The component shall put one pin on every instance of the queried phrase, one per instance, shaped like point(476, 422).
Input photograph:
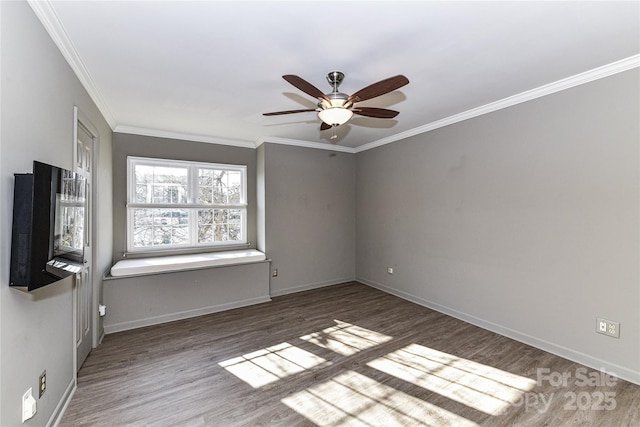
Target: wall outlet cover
point(42, 384)
point(608, 327)
point(28, 405)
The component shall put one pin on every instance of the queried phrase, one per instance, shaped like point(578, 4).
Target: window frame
point(191, 205)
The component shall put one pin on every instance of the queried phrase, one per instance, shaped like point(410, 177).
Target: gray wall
point(524, 221)
point(163, 148)
point(303, 219)
point(309, 216)
point(39, 91)
point(139, 301)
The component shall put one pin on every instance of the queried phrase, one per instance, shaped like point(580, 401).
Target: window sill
point(150, 253)
point(168, 264)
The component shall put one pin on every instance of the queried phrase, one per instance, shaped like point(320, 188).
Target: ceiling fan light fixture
point(335, 116)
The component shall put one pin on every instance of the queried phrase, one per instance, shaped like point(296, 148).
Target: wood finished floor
point(345, 355)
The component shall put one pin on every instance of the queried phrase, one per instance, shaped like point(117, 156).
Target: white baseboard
point(309, 286)
point(567, 353)
point(156, 320)
point(61, 407)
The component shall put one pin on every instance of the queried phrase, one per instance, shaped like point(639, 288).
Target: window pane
point(220, 233)
point(158, 227)
point(71, 228)
point(219, 225)
point(235, 232)
point(219, 186)
point(205, 194)
point(235, 187)
point(235, 216)
point(142, 193)
point(205, 229)
point(220, 216)
point(160, 184)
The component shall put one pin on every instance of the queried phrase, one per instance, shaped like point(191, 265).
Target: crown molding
point(548, 89)
point(183, 136)
point(305, 144)
point(49, 19)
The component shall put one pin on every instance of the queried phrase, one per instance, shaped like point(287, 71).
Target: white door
point(83, 291)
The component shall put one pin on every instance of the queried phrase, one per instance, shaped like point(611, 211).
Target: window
point(70, 222)
point(176, 204)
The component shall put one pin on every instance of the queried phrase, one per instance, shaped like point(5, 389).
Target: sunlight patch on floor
point(268, 365)
point(353, 399)
point(346, 339)
point(473, 384)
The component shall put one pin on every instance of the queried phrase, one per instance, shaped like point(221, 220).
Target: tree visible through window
point(176, 204)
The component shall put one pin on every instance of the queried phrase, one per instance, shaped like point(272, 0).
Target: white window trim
point(193, 183)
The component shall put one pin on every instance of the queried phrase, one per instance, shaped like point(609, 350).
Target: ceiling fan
point(336, 108)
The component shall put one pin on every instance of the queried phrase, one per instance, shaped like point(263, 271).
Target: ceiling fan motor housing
point(335, 78)
point(336, 100)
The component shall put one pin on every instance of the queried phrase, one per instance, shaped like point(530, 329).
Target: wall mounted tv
point(49, 224)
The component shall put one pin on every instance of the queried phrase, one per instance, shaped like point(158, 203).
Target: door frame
point(80, 119)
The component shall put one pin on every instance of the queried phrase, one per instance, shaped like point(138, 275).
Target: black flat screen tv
point(49, 225)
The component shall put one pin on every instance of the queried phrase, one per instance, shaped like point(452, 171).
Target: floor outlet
point(608, 327)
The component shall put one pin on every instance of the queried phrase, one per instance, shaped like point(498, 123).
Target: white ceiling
point(207, 70)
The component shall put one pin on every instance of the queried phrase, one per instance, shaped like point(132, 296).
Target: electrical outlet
point(274, 273)
point(389, 270)
point(608, 327)
point(42, 384)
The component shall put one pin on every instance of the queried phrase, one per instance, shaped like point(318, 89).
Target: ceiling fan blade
point(305, 86)
point(279, 113)
point(325, 126)
point(380, 113)
point(379, 88)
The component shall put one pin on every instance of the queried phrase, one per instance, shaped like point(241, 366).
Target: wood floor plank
point(337, 356)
